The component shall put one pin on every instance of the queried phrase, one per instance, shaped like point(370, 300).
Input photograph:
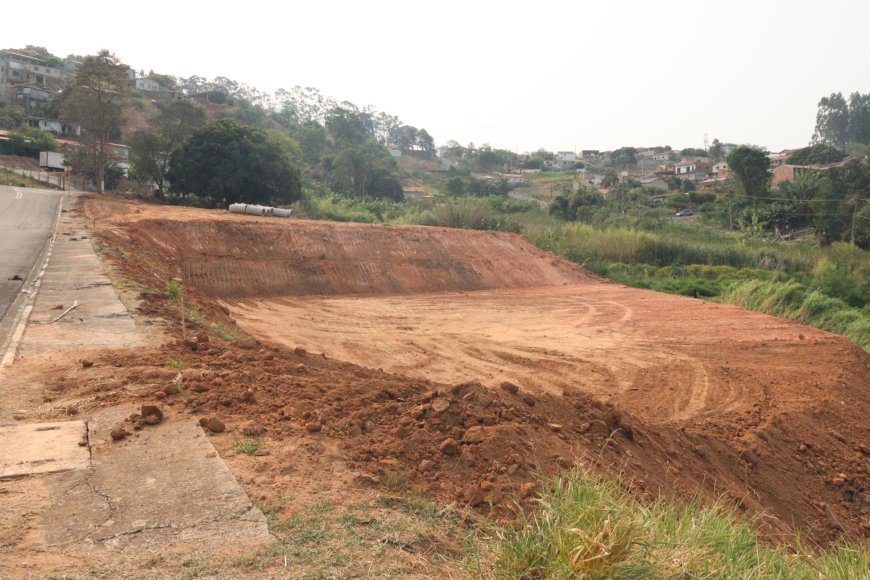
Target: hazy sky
point(520, 76)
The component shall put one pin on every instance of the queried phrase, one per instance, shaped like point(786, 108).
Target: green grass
point(588, 527)
point(249, 446)
point(174, 289)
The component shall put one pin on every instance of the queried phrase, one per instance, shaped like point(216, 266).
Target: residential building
point(17, 66)
point(777, 159)
point(31, 96)
point(787, 173)
point(414, 193)
point(54, 126)
point(24, 69)
point(721, 169)
point(654, 181)
point(694, 170)
point(653, 155)
point(567, 157)
point(145, 84)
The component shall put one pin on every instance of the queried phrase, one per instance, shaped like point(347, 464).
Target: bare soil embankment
point(548, 365)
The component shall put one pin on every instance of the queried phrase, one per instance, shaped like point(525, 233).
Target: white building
point(146, 84)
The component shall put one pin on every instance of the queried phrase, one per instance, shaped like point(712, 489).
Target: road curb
point(20, 324)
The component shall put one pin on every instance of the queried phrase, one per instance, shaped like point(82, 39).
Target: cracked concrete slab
point(33, 448)
point(163, 486)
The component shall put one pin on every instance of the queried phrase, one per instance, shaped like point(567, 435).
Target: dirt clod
point(449, 447)
point(253, 430)
point(86, 364)
point(118, 433)
point(215, 425)
point(510, 388)
point(151, 411)
point(440, 405)
point(313, 427)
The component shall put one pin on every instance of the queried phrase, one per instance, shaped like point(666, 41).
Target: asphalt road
point(26, 220)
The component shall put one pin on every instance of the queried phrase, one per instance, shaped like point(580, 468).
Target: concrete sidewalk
point(76, 277)
point(80, 498)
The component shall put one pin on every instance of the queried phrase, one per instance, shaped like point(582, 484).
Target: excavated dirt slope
point(548, 365)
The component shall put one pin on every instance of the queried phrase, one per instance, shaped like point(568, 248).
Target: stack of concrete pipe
point(260, 210)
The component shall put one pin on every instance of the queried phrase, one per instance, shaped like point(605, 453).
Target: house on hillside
point(31, 96)
point(653, 155)
point(721, 169)
point(694, 170)
point(414, 193)
point(394, 150)
point(18, 66)
point(664, 171)
point(787, 173)
point(654, 181)
point(777, 159)
point(145, 84)
point(54, 126)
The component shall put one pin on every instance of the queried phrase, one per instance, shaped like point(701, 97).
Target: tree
point(345, 127)
point(94, 102)
point(716, 151)
point(29, 141)
point(425, 142)
point(228, 162)
point(840, 123)
point(454, 186)
point(152, 150)
point(819, 154)
point(609, 179)
point(624, 157)
point(10, 118)
point(365, 170)
point(750, 169)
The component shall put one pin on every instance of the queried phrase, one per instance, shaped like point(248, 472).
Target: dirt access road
point(679, 393)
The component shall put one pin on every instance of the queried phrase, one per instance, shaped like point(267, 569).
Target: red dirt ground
point(495, 361)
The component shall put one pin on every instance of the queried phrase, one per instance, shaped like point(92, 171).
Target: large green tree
point(225, 162)
point(152, 150)
point(819, 154)
point(94, 101)
point(750, 168)
point(624, 157)
point(841, 123)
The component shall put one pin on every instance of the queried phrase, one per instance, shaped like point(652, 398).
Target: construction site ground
point(384, 388)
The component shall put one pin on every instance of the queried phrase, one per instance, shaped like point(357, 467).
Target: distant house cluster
point(28, 81)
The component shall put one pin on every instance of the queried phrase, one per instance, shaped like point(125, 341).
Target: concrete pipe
point(238, 207)
point(281, 212)
point(258, 210)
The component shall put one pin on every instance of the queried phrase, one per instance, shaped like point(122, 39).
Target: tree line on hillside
point(298, 133)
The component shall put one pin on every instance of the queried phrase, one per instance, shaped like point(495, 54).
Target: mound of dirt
point(718, 401)
point(243, 258)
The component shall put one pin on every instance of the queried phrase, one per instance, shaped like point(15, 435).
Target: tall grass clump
point(584, 243)
point(588, 527)
point(174, 290)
